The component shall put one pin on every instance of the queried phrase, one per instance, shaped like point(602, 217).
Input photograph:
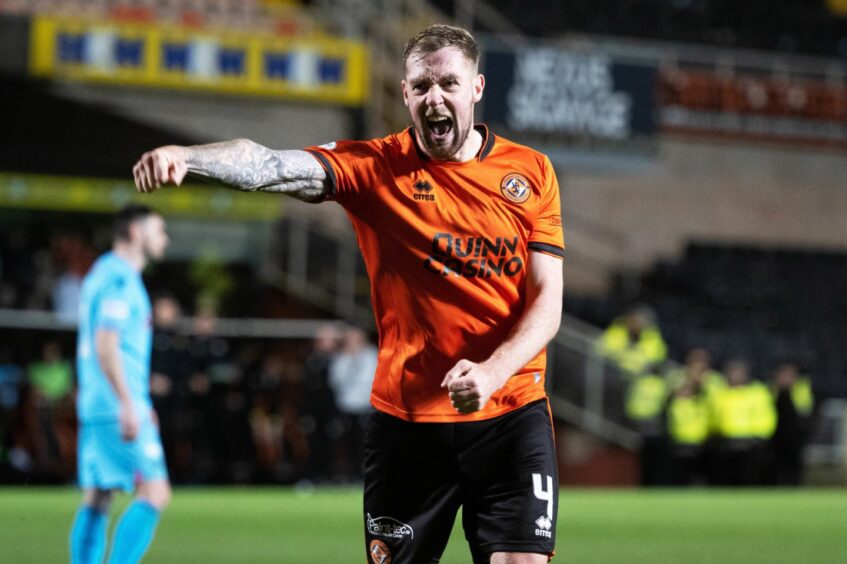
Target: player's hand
point(471, 385)
point(129, 423)
point(165, 165)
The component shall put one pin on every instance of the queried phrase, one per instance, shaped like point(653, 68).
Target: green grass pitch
point(263, 525)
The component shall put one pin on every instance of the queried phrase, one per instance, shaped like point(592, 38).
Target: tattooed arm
point(240, 164)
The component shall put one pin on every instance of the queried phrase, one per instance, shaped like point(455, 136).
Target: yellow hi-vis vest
point(688, 420)
point(764, 410)
point(637, 357)
point(802, 397)
point(745, 412)
point(646, 397)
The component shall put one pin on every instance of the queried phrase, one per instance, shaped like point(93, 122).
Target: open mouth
point(439, 125)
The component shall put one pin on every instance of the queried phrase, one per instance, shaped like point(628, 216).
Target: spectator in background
point(52, 375)
point(170, 368)
point(697, 370)
point(351, 375)
point(218, 382)
point(689, 425)
point(52, 383)
point(26, 442)
point(634, 346)
point(646, 398)
point(40, 290)
point(73, 258)
point(265, 420)
point(794, 404)
point(745, 419)
point(212, 370)
point(704, 383)
point(317, 408)
point(231, 404)
point(11, 381)
point(282, 448)
point(66, 297)
point(633, 342)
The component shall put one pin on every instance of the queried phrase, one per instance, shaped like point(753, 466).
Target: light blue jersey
point(113, 298)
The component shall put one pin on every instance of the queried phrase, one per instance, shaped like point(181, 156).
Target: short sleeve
point(352, 166)
point(114, 308)
point(547, 235)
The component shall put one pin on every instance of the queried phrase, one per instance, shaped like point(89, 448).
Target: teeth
point(438, 119)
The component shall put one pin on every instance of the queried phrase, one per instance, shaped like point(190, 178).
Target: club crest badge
point(515, 187)
point(380, 553)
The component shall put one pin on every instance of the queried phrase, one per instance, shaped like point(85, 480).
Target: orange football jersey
point(446, 246)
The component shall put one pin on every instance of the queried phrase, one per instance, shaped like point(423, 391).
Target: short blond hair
point(437, 37)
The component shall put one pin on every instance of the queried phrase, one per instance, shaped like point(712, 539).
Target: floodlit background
point(701, 149)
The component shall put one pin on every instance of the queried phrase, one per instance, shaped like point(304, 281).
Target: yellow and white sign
point(321, 69)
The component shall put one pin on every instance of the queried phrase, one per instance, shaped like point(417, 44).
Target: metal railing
point(828, 443)
point(323, 268)
point(249, 328)
point(584, 389)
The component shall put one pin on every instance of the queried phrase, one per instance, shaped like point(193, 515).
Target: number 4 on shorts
point(544, 494)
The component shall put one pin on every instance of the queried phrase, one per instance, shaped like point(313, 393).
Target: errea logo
point(422, 191)
point(544, 522)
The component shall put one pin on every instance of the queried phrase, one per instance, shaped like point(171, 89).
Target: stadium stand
point(772, 302)
point(769, 305)
point(798, 26)
point(279, 17)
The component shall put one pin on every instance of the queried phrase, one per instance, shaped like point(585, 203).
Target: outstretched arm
point(472, 384)
point(240, 164)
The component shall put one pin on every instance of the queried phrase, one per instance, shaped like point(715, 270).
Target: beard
point(443, 147)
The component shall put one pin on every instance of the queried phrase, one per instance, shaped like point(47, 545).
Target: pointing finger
point(149, 174)
point(135, 178)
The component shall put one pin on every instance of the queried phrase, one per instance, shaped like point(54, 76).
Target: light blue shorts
point(106, 461)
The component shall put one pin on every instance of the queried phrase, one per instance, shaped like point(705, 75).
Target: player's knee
point(157, 494)
point(162, 497)
point(518, 558)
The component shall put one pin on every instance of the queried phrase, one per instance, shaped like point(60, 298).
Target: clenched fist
point(165, 165)
point(471, 385)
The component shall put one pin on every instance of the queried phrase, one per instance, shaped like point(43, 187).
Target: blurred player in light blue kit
point(119, 444)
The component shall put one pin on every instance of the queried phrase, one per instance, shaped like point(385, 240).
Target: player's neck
point(131, 254)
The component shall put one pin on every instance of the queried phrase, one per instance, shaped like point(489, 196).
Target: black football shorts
point(501, 471)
